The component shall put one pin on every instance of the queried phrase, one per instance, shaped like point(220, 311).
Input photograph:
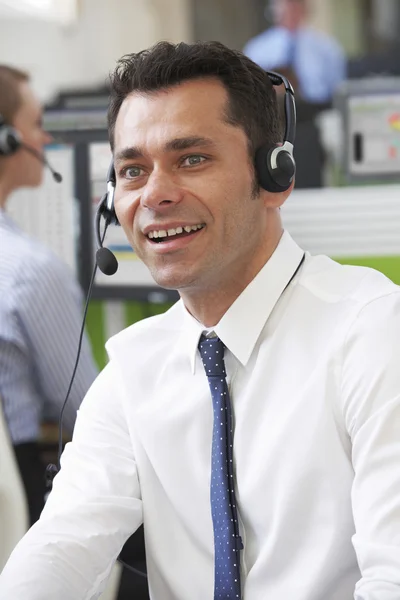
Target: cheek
point(125, 209)
point(33, 137)
point(236, 192)
point(243, 213)
point(224, 192)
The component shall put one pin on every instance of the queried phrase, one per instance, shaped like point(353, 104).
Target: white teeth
point(171, 232)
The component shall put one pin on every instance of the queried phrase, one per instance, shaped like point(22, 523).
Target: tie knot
point(212, 355)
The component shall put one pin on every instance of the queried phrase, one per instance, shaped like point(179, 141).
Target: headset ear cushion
point(280, 178)
point(10, 140)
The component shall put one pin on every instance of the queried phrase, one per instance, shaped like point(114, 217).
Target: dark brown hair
point(252, 99)
point(10, 97)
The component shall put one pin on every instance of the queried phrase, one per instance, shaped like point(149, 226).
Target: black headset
point(275, 167)
point(11, 142)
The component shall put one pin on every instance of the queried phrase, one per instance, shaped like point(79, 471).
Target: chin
point(173, 280)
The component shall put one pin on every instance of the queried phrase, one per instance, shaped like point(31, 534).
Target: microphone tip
point(106, 261)
point(57, 177)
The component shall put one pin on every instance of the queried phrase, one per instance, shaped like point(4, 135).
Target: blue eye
point(132, 172)
point(193, 160)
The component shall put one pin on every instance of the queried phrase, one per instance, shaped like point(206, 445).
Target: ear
point(276, 199)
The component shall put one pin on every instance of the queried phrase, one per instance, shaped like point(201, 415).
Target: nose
point(161, 190)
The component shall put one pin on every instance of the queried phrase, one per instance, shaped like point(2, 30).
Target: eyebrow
point(184, 143)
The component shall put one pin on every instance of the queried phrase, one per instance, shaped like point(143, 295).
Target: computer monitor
point(50, 212)
point(82, 99)
point(370, 111)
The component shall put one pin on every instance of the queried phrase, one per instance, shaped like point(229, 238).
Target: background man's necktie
point(227, 542)
point(292, 52)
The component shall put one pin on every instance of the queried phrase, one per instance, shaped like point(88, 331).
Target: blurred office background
point(347, 198)
point(73, 43)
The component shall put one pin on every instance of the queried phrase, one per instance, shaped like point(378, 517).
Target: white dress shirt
point(314, 380)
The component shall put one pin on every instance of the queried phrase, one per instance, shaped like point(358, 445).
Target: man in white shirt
point(311, 356)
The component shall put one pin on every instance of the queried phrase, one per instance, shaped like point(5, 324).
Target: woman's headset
point(275, 169)
point(10, 140)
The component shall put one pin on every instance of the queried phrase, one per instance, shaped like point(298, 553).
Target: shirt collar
point(241, 325)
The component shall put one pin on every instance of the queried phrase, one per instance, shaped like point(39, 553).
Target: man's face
point(26, 169)
point(288, 13)
point(182, 169)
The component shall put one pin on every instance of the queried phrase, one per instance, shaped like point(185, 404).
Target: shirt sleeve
point(48, 307)
point(371, 395)
point(95, 505)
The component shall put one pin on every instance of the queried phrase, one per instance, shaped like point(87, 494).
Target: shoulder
point(368, 354)
point(147, 334)
point(43, 268)
point(23, 260)
point(333, 282)
point(27, 256)
point(148, 352)
point(356, 311)
point(358, 299)
point(16, 252)
point(35, 272)
point(377, 319)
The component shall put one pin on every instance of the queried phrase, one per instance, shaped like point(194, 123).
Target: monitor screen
point(50, 212)
point(369, 140)
point(374, 134)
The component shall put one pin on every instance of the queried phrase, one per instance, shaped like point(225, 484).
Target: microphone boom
point(41, 157)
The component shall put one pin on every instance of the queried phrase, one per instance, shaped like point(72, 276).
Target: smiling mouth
point(166, 235)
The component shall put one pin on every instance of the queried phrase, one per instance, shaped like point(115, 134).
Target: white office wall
point(343, 19)
point(82, 54)
point(321, 15)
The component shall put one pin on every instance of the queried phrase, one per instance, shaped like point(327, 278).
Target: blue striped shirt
point(40, 321)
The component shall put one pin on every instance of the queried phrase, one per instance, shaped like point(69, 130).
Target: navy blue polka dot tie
point(227, 542)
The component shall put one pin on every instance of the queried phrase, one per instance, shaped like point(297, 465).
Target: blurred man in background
point(40, 303)
point(313, 61)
